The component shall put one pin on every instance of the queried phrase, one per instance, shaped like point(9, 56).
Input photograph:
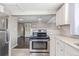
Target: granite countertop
point(70, 41)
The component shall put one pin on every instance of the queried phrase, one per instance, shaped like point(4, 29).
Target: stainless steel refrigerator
point(3, 37)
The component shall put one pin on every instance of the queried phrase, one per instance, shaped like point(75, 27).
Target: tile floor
point(20, 52)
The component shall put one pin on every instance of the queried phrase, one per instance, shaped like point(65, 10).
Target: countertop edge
point(69, 41)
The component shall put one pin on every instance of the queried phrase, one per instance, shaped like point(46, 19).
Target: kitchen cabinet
point(74, 27)
point(60, 48)
point(62, 15)
point(68, 14)
point(71, 51)
point(64, 49)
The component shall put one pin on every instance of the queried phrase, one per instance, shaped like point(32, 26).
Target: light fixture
point(21, 19)
point(39, 19)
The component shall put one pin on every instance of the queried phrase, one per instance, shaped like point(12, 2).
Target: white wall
point(12, 29)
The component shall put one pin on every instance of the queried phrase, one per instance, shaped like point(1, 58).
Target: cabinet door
point(62, 15)
point(71, 51)
point(74, 27)
point(59, 48)
point(58, 17)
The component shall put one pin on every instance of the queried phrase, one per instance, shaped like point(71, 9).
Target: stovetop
point(35, 37)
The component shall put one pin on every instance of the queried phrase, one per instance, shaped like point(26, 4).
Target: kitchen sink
point(76, 44)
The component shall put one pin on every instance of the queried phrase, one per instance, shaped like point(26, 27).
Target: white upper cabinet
point(69, 14)
point(62, 16)
point(74, 27)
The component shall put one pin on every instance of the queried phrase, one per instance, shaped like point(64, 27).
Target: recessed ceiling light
point(39, 19)
point(21, 19)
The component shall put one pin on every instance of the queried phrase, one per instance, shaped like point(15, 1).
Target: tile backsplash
point(65, 31)
point(50, 27)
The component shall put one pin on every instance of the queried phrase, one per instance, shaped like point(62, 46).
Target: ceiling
point(31, 12)
point(34, 18)
point(32, 8)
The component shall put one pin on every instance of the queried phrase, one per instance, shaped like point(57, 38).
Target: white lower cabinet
point(59, 48)
point(71, 51)
point(64, 49)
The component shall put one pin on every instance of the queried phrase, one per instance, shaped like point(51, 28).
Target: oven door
point(39, 46)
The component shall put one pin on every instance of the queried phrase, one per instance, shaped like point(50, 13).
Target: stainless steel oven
point(39, 45)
